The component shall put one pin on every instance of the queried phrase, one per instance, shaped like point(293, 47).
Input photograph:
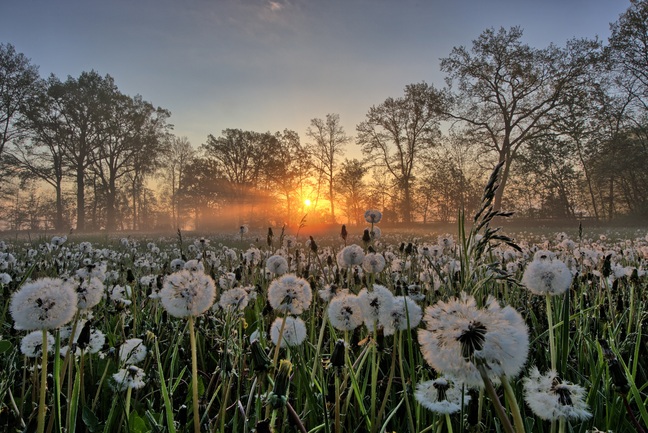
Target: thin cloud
point(275, 6)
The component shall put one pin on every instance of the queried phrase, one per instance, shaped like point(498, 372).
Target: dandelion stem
point(194, 375)
point(410, 419)
point(552, 341)
point(448, 422)
point(43, 387)
point(497, 404)
point(129, 392)
point(391, 378)
point(512, 401)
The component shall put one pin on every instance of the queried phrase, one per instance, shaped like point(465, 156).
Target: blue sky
point(270, 65)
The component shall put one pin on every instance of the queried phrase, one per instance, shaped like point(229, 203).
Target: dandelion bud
point(337, 359)
point(344, 233)
point(260, 359)
point(313, 245)
point(619, 379)
point(270, 236)
point(278, 397)
point(366, 238)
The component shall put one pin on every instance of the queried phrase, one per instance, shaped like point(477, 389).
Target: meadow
point(365, 330)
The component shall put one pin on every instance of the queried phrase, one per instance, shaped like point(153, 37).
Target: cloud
point(275, 6)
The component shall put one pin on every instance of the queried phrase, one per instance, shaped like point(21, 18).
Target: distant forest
point(570, 123)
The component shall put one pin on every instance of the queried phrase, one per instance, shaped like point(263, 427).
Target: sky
point(270, 65)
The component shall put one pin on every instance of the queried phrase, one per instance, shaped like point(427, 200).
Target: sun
point(307, 202)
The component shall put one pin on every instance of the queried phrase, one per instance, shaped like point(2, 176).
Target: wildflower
point(373, 263)
point(57, 241)
point(89, 293)
point(294, 332)
point(352, 255)
point(46, 303)
point(243, 230)
point(345, 312)
point(132, 351)
point(375, 305)
point(375, 233)
point(290, 294)
point(459, 335)
point(405, 314)
point(5, 278)
point(234, 299)
point(130, 377)
point(187, 293)
point(373, 216)
point(31, 344)
point(551, 399)
point(441, 396)
point(446, 242)
point(330, 291)
point(277, 265)
point(119, 294)
point(547, 275)
point(194, 266)
point(176, 265)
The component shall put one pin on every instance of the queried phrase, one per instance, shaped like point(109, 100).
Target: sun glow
point(307, 202)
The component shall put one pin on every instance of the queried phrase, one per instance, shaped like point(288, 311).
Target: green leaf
point(90, 419)
point(5, 346)
point(136, 424)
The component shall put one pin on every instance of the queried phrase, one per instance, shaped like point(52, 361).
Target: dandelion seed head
point(234, 299)
point(129, 377)
point(351, 255)
point(551, 399)
point(441, 396)
point(345, 312)
point(458, 335)
point(186, 293)
point(46, 303)
point(277, 265)
point(546, 275)
point(132, 351)
point(31, 344)
point(294, 332)
point(376, 305)
point(373, 263)
point(405, 314)
point(290, 294)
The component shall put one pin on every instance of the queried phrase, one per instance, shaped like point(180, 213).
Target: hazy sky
point(270, 65)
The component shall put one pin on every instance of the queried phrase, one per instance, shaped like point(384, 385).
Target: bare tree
point(329, 141)
point(176, 161)
point(396, 133)
point(506, 90)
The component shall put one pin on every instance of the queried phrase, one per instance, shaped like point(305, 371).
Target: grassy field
point(247, 359)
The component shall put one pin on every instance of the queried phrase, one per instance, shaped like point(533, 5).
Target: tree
point(328, 144)
point(132, 133)
point(289, 172)
point(19, 81)
point(84, 106)
point(397, 131)
point(505, 90)
point(242, 157)
point(628, 50)
point(40, 152)
point(176, 161)
point(351, 187)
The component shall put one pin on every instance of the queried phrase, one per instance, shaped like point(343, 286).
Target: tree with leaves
point(19, 82)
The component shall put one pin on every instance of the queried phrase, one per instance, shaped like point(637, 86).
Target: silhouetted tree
point(397, 131)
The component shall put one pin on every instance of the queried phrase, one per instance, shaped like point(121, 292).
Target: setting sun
point(307, 202)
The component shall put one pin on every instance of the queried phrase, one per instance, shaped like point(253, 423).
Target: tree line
point(570, 123)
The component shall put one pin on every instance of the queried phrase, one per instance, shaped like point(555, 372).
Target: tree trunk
point(80, 199)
